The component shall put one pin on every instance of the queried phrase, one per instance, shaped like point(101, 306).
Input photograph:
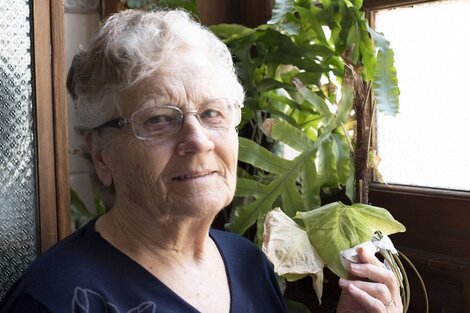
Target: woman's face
point(189, 174)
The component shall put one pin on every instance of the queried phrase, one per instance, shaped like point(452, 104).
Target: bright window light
point(428, 143)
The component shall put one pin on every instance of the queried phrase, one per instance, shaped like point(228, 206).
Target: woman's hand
point(375, 290)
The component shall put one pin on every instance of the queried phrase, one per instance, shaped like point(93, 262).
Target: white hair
point(129, 47)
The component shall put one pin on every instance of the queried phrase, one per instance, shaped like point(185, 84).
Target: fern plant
point(307, 74)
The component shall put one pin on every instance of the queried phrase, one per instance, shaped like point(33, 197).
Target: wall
point(81, 20)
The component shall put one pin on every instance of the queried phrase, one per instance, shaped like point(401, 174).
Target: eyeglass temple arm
point(116, 123)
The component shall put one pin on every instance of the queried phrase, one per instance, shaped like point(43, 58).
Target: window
point(428, 142)
point(425, 149)
point(34, 195)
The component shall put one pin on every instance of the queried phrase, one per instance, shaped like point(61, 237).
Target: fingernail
point(343, 282)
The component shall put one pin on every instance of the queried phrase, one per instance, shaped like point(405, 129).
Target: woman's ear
point(96, 153)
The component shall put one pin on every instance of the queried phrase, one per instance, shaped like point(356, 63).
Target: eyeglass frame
point(120, 122)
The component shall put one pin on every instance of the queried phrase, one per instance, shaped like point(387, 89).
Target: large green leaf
point(327, 170)
point(336, 227)
point(310, 184)
point(385, 77)
point(343, 156)
point(291, 136)
point(244, 217)
point(230, 32)
point(260, 157)
point(318, 102)
point(282, 185)
point(386, 83)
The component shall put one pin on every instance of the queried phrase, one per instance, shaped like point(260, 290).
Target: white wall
point(81, 20)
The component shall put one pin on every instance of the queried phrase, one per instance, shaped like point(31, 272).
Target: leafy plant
point(80, 213)
point(188, 5)
point(327, 240)
point(307, 73)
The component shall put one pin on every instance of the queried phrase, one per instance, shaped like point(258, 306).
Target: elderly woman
point(157, 102)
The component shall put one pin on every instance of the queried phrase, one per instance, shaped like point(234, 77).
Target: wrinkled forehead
point(185, 80)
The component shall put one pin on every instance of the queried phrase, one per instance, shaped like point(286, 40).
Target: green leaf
point(80, 213)
point(281, 8)
point(252, 153)
point(335, 227)
point(310, 184)
point(244, 217)
point(353, 41)
point(311, 18)
point(343, 157)
point(346, 103)
point(188, 5)
point(318, 102)
point(291, 136)
point(250, 188)
point(291, 199)
point(229, 32)
point(328, 172)
point(380, 41)
point(291, 25)
point(386, 83)
point(385, 79)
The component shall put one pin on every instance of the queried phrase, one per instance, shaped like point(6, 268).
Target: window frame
point(369, 6)
point(437, 235)
point(51, 122)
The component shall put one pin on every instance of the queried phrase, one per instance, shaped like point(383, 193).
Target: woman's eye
point(159, 119)
point(210, 114)
point(158, 122)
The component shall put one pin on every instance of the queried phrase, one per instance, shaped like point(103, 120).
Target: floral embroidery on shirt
point(89, 301)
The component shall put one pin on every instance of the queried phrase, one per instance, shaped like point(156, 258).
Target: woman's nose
point(193, 137)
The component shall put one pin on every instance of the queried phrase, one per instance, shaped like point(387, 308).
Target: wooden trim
point(437, 222)
point(256, 12)
point(51, 121)
point(387, 4)
point(60, 120)
point(447, 281)
point(109, 7)
point(423, 191)
point(44, 115)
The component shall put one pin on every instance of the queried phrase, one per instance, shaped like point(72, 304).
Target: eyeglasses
point(163, 121)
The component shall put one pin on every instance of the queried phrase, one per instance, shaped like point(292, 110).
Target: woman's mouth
point(192, 175)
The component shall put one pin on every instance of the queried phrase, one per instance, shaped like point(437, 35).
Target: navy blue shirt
point(86, 274)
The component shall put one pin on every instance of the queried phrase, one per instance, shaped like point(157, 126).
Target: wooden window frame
point(51, 121)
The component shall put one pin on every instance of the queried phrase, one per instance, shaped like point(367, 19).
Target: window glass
point(428, 143)
point(18, 198)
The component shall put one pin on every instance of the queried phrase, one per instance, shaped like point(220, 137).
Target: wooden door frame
point(51, 121)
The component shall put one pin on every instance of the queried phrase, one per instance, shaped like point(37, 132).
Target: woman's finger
point(374, 290)
point(365, 300)
point(365, 257)
point(377, 274)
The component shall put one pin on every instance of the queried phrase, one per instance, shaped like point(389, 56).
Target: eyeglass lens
point(163, 121)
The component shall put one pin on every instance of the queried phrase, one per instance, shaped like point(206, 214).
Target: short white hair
point(129, 47)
